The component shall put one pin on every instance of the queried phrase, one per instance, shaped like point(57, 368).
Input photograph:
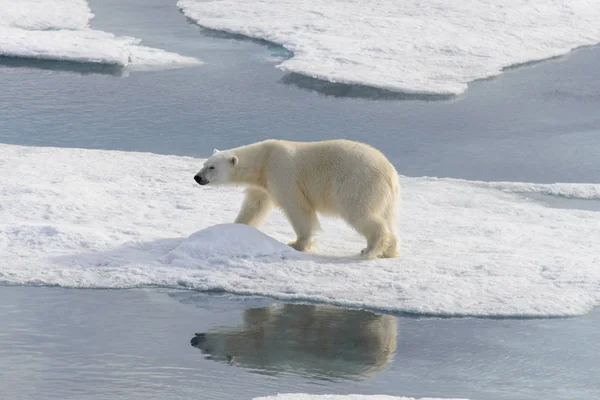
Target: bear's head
point(217, 169)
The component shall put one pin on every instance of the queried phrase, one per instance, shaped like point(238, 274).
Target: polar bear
point(340, 178)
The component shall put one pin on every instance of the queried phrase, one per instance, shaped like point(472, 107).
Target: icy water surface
point(107, 344)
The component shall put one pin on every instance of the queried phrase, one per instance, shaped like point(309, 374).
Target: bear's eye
point(211, 167)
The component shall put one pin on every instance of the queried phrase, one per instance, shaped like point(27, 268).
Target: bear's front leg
point(304, 245)
point(255, 208)
point(305, 223)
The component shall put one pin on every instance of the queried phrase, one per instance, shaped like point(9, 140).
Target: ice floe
point(109, 219)
point(413, 46)
point(59, 30)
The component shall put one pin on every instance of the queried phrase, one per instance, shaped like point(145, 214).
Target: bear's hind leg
point(255, 208)
point(375, 230)
point(391, 251)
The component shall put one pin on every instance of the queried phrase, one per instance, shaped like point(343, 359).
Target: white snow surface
point(412, 46)
point(59, 30)
point(303, 396)
point(108, 219)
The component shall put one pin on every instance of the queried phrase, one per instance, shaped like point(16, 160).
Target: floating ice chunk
point(143, 57)
point(78, 46)
point(109, 219)
point(413, 46)
point(58, 30)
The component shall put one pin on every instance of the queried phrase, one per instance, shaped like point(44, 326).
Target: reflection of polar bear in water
point(347, 179)
point(319, 341)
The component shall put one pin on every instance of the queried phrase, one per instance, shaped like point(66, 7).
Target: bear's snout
point(198, 339)
point(200, 180)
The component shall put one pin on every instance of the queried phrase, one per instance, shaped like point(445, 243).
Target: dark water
point(133, 344)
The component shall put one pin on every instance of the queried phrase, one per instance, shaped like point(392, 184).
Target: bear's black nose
point(198, 339)
point(198, 180)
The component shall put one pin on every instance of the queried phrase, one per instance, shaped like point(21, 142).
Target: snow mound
point(303, 396)
point(227, 241)
point(59, 30)
point(412, 46)
point(109, 219)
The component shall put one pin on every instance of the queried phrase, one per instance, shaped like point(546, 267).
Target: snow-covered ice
point(414, 46)
point(108, 219)
point(303, 396)
point(59, 30)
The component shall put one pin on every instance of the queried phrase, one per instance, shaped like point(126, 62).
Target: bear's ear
point(215, 151)
point(233, 160)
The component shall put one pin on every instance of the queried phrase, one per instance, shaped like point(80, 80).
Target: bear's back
point(327, 171)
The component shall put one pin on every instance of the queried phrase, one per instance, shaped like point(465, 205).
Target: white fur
point(338, 177)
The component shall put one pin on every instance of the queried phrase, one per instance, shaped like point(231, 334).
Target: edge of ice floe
point(305, 396)
point(51, 39)
point(582, 191)
point(446, 90)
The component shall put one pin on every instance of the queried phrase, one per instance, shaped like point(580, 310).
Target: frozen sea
point(535, 123)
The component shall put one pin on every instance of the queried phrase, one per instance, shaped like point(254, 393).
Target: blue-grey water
point(143, 344)
point(537, 123)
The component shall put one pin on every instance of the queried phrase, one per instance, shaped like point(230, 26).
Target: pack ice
point(412, 46)
point(59, 30)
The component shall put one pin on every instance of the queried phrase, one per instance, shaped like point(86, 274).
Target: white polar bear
point(337, 177)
